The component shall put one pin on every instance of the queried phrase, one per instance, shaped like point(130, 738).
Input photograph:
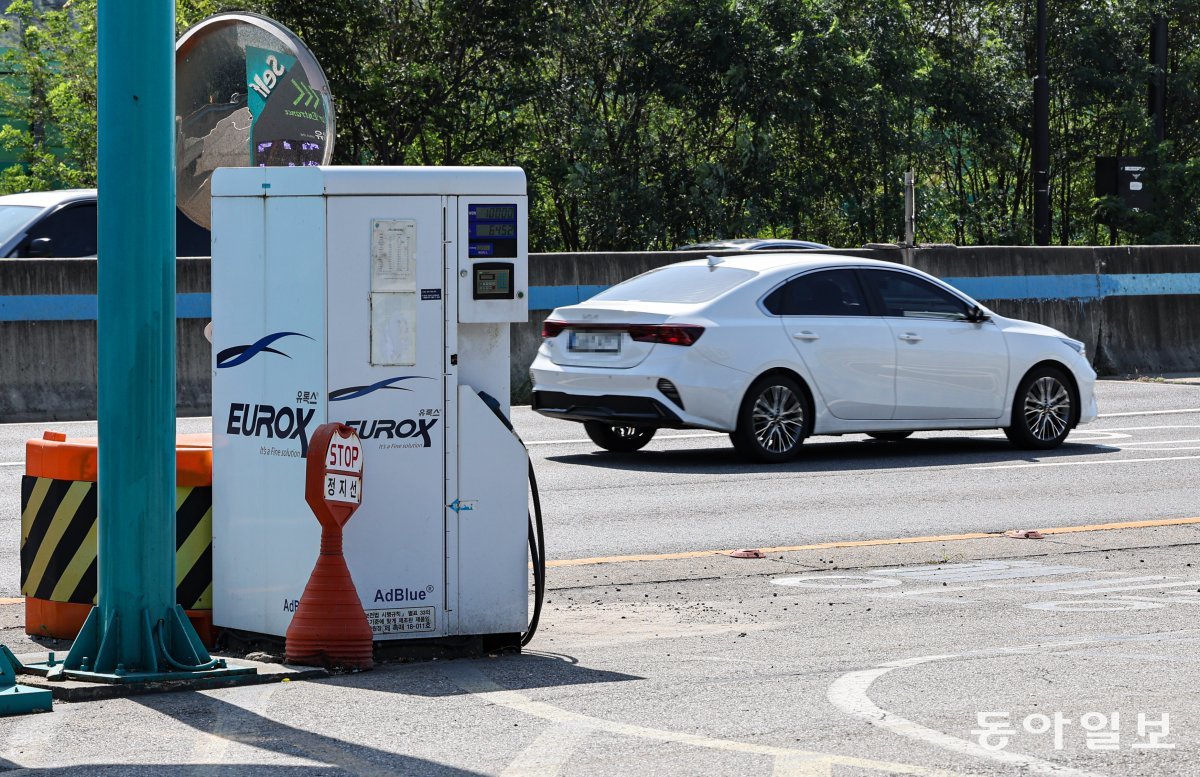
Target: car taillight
point(552, 328)
point(669, 334)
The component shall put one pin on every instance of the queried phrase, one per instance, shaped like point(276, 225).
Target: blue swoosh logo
point(240, 354)
point(354, 392)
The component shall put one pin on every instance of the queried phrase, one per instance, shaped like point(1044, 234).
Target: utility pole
point(1158, 80)
point(1041, 137)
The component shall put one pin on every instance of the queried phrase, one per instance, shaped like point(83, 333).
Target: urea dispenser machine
point(380, 298)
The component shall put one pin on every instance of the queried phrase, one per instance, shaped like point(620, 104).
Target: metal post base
point(19, 699)
point(95, 656)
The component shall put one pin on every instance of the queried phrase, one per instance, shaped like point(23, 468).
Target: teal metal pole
point(136, 328)
point(136, 626)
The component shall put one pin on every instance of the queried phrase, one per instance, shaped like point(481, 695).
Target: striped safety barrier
point(59, 531)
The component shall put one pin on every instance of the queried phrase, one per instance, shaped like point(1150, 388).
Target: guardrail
point(1136, 307)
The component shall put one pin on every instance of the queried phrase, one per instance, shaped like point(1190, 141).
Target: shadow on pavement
point(817, 456)
point(219, 718)
point(201, 770)
point(512, 672)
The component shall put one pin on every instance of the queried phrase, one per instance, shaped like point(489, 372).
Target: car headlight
point(1079, 347)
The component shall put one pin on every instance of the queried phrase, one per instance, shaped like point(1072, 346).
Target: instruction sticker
point(393, 255)
point(403, 621)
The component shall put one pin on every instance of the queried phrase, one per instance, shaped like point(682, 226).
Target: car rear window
point(686, 283)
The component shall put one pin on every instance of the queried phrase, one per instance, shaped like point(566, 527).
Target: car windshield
point(679, 283)
point(13, 217)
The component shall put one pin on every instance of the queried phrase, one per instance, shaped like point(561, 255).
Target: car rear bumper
point(610, 408)
point(707, 394)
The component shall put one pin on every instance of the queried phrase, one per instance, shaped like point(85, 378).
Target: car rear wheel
point(1043, 410)
point(619, 439)
point(774, 419)
point(888, 436)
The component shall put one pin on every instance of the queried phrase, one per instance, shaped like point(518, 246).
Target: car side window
point(71, 231)
point(825, 293)
point(907, 296)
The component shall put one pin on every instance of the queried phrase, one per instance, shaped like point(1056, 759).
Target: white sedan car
point(775, 348)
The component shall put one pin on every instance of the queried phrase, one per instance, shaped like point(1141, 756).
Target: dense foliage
point(650, 123)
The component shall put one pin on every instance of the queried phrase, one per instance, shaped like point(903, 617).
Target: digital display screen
point(493, 280)
point(496, 212)
point(496, 230)
point(492, 230)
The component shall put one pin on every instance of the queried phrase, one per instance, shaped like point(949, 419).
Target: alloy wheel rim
point(627, 432)
point(778, 419)
point(1047, 408)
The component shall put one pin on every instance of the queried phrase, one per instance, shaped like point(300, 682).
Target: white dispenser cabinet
point(380, 298)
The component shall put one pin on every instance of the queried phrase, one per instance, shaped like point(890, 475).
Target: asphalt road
point(689, 490)
point(827, 662)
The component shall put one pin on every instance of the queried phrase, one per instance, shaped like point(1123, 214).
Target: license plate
point(594, 342)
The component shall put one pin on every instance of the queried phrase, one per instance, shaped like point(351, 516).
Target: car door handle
point(911, 337)
point(806, 336)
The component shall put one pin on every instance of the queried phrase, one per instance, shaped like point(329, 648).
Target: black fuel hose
point(537, 538)
point(537, 552)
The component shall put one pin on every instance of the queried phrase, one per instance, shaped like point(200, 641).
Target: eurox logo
point(388, 428)
point(268, 421)
point(399, 429)
point(240, 354)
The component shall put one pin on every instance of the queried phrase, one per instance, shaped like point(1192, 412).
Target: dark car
point(62, 224)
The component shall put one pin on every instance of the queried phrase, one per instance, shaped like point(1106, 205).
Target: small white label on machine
point(403, 621)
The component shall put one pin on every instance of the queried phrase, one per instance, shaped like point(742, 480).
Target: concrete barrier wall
point(48, 339)
point(1136, 307)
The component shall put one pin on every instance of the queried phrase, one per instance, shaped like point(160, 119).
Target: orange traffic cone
point(330, 627)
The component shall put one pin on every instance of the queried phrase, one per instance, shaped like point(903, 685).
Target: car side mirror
point(38, 247)
point(977, 315)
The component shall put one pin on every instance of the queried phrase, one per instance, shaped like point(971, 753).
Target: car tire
point(888, 436)
point(1044, 410)
point(619, 439)
point(774, 419)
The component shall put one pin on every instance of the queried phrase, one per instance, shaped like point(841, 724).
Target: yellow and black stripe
point(59, 541)
point(193, 547)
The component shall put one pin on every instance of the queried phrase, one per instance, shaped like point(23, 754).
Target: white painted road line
point(468, 677)
point(12, 463)
point(1150, 412)
point(849, 693)
point(547, 755)
point(1087, 463)
point(1091, 431)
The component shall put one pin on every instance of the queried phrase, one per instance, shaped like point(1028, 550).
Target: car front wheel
point(773, 420)
point(618, 439)
point(1043, 410)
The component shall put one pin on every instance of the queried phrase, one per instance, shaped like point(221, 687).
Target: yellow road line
point(578, 562)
